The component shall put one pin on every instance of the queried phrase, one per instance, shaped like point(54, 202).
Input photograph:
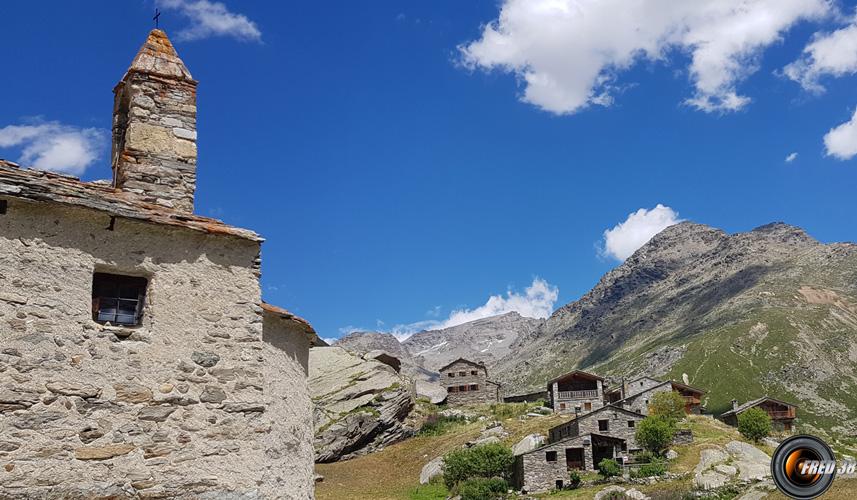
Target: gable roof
point(40, 186)
point(579, 373)
point(755, 402)
point(474, 363)
point(686, 387)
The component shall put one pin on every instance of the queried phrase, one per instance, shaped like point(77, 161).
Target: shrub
point(482, 488)
point(655, 434)
point(656, 467)
point(486, 461)
point(668, 406)
point(574, 478)
point(754, 424)
point(436, 425)
point(609, 468)
point(508, 410)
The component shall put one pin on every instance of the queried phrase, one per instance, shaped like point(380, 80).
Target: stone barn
point(137, 358)
point(466, 383)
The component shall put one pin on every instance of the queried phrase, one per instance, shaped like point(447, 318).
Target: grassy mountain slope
point(771, 311)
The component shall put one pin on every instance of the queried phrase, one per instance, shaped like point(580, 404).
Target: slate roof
point(296, 320)
point(40, 186)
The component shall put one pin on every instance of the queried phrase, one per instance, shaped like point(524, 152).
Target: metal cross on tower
point(157, 18)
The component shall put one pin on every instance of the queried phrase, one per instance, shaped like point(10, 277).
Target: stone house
point(466, 383)
point(640, 392)
point(137, 357)
point(581, 443)
point(608, 420)
point(576, 392)
point(548, 467)
point(782, 414)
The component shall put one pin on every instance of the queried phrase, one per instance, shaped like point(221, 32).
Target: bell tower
point(154, 127)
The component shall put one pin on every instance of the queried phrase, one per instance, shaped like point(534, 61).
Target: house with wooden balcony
point(576, 392)
point(782, 414)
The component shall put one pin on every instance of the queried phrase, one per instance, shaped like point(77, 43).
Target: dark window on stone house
point(550, 456)
point(118, 300)
point(474, 387)
point(451, 375)
point(462, 374)
point(462, 388)
point(473, 372)
point(603, 425)
point(3, 205)
point(452, 388)
point(630, 423)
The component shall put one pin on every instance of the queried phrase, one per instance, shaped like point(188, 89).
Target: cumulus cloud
point(626, 237)
point(536, 301)
point(791, 157)
point(570, 53)
point(208, 19)
point(841, 141)
point(833, 54)
point(54, 146)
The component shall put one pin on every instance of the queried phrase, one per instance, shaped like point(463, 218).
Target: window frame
point(119, 289)
point(605, 427)
point(549, 454)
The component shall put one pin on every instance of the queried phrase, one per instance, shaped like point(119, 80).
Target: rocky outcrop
point(528, 444)
point(738, 461)
point(361, 405)
point(431, 470)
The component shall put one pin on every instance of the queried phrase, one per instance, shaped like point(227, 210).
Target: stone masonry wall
point(487, 392)
point(193, 404)
point(639, 403)
point(154, 139)
point(617, 426)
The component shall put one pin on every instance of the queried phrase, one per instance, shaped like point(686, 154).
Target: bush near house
point(754, 424)
point(667, 405)
point(657, 467)
point(609, 468)
point(655, 434)
point(486, 461)
point(574, 479)
point(481, 488)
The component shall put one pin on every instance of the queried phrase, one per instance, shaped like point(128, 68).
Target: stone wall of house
point(192, 403)
point(639, 403)
point(641, 385)
point(617, 421)
point(486, 393)
point(535, 473)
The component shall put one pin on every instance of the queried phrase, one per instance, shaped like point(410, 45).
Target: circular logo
point(803, 467)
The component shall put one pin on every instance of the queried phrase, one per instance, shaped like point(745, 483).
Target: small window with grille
point(118, 300)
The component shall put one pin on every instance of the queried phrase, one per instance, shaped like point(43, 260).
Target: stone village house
point(604, 426)
point(466, 383)
point(137, 356)
point(782, 414)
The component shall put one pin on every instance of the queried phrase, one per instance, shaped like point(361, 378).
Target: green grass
point(435, 490)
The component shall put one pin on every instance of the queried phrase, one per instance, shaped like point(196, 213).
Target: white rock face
point(431, 391)
point(360, 404)
point(748, 463)
point(528, 443)
point(431, 470)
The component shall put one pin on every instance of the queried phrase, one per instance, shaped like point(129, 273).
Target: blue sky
point(404, 163)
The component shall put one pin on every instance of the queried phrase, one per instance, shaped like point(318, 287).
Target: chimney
point(154, 127)
point(734, 404)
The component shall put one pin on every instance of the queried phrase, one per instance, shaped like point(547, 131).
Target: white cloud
point(833, 54)
point(208, 19)
point(626, 237)
point(791, 157)
point(841, 141)
point(536, 301)
point(569, 53)
point(54, 146)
